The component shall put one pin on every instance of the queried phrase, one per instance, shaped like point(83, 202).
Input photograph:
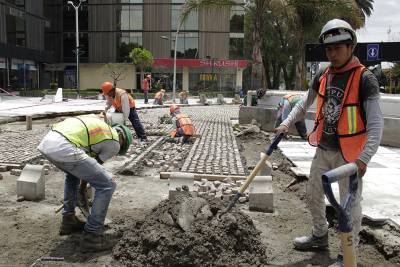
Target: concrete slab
point(31, 183)
point(261, 196)
point(381, 181)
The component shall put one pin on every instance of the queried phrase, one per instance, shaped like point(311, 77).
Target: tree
point(117, 72)
point(141, 58)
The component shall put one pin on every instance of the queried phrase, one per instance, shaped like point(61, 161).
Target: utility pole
point(76, 7)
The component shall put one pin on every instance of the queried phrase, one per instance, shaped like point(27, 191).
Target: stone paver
point(381, 183)
point(31, 183)
point(215, 151)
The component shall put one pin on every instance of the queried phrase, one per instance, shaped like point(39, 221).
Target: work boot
point(338, 263)
point(92, 242)
point(71, 224)
point(311, 242)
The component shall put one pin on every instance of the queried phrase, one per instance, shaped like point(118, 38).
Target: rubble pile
point(224, 190)
point(188, 231)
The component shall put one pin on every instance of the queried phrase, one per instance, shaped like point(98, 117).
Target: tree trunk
point(300, 63)
point(257, 75)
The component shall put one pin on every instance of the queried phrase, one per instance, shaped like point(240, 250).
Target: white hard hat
point(337, 31)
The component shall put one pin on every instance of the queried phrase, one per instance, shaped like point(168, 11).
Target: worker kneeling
point(78, 146)
point(183, 123)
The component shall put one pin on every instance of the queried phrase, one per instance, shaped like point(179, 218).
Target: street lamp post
point(175, 54)
point(76, 7)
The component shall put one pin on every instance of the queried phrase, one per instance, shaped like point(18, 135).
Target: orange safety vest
point(159, 95)
point(351, 127)
point(117, 99)
point(185, 123)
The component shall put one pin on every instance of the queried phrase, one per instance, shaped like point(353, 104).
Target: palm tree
point(366, 7)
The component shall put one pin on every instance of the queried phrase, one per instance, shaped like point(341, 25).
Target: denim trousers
point(137, 125)
point(92, 172)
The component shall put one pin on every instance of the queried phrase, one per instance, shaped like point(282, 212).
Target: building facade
point(37, 43)
point(22, 48)
point(209, 47)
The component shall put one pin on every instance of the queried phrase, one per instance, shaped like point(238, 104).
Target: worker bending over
point(78, 146)
point(184, 125)
point(123, 102)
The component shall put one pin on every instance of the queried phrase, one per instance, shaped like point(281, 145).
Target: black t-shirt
point(369, 88)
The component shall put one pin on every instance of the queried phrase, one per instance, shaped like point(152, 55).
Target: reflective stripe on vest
point(117, 99)
point(84, 131)
point(351, 127)
point(185, 123)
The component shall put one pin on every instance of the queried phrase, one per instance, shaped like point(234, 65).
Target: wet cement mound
point(188, 232)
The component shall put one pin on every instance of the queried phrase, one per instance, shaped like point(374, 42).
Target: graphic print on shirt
point(331, 109)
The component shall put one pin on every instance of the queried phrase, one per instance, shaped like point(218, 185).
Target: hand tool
point(344, 210)
point(265, 156)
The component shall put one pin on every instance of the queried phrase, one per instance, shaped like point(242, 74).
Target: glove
point(127, 122)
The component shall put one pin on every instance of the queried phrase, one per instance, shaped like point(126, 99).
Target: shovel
point(344, 210)
point(265, 156)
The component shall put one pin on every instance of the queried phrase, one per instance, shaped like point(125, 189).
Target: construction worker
point(78, 146)
point(285, 105)
point(183, 97)
point(184, 125)
point(348, 127)
point(159, 97)
point(123, 102)
point(146, 87)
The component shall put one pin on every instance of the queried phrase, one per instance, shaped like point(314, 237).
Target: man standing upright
point(146, 88)
point(348, 127)
point(123, 102)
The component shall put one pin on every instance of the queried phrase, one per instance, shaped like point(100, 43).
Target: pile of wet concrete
point(188, 231)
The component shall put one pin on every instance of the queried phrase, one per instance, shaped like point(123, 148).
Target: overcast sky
point(386, 14)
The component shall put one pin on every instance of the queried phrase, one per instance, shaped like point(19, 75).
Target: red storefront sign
point(200, 63)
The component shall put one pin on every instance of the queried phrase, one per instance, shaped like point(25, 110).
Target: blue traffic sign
point(372, 52)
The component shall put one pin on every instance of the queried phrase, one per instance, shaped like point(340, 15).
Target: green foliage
point(396, 70)
point(141, 57)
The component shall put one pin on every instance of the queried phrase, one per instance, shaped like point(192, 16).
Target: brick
point(179, 179)
point(31, 183)
point(261, 194)
point(3, 168)
point(15, 172)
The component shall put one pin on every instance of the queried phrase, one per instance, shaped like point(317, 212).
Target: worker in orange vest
point(123, 102)
point(184, 125)
point(285, 105)
point(348, 127)
point(159, 97)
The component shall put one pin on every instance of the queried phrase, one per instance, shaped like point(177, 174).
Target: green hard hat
point(127, 137)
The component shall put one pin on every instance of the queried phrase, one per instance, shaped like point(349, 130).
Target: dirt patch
point(189, 232)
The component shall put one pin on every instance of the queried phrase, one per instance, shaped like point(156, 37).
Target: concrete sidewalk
point(15, 106)
point(381, 182)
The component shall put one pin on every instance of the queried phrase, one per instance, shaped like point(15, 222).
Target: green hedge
point(93, 92)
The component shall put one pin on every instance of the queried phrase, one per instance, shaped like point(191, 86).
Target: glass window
point(69, 44)
point(15, 30)
point(236, 48)
point(132, 1)
point(131, 18)
point(237, 19)
point(129, 41)
point(191, 23)
point(188, 44)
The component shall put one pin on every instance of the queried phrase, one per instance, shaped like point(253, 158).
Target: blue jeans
point(137, 125)
point(146, 97)
point(93, 173)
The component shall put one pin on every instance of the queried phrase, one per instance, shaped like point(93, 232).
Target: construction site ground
point(29, 230)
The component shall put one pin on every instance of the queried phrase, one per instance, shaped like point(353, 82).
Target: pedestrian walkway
point(381, 185)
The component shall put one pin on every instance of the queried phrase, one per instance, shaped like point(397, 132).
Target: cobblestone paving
point(216, 150)
point(17, 148)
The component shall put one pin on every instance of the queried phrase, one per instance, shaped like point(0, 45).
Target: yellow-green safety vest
point(85, 131)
